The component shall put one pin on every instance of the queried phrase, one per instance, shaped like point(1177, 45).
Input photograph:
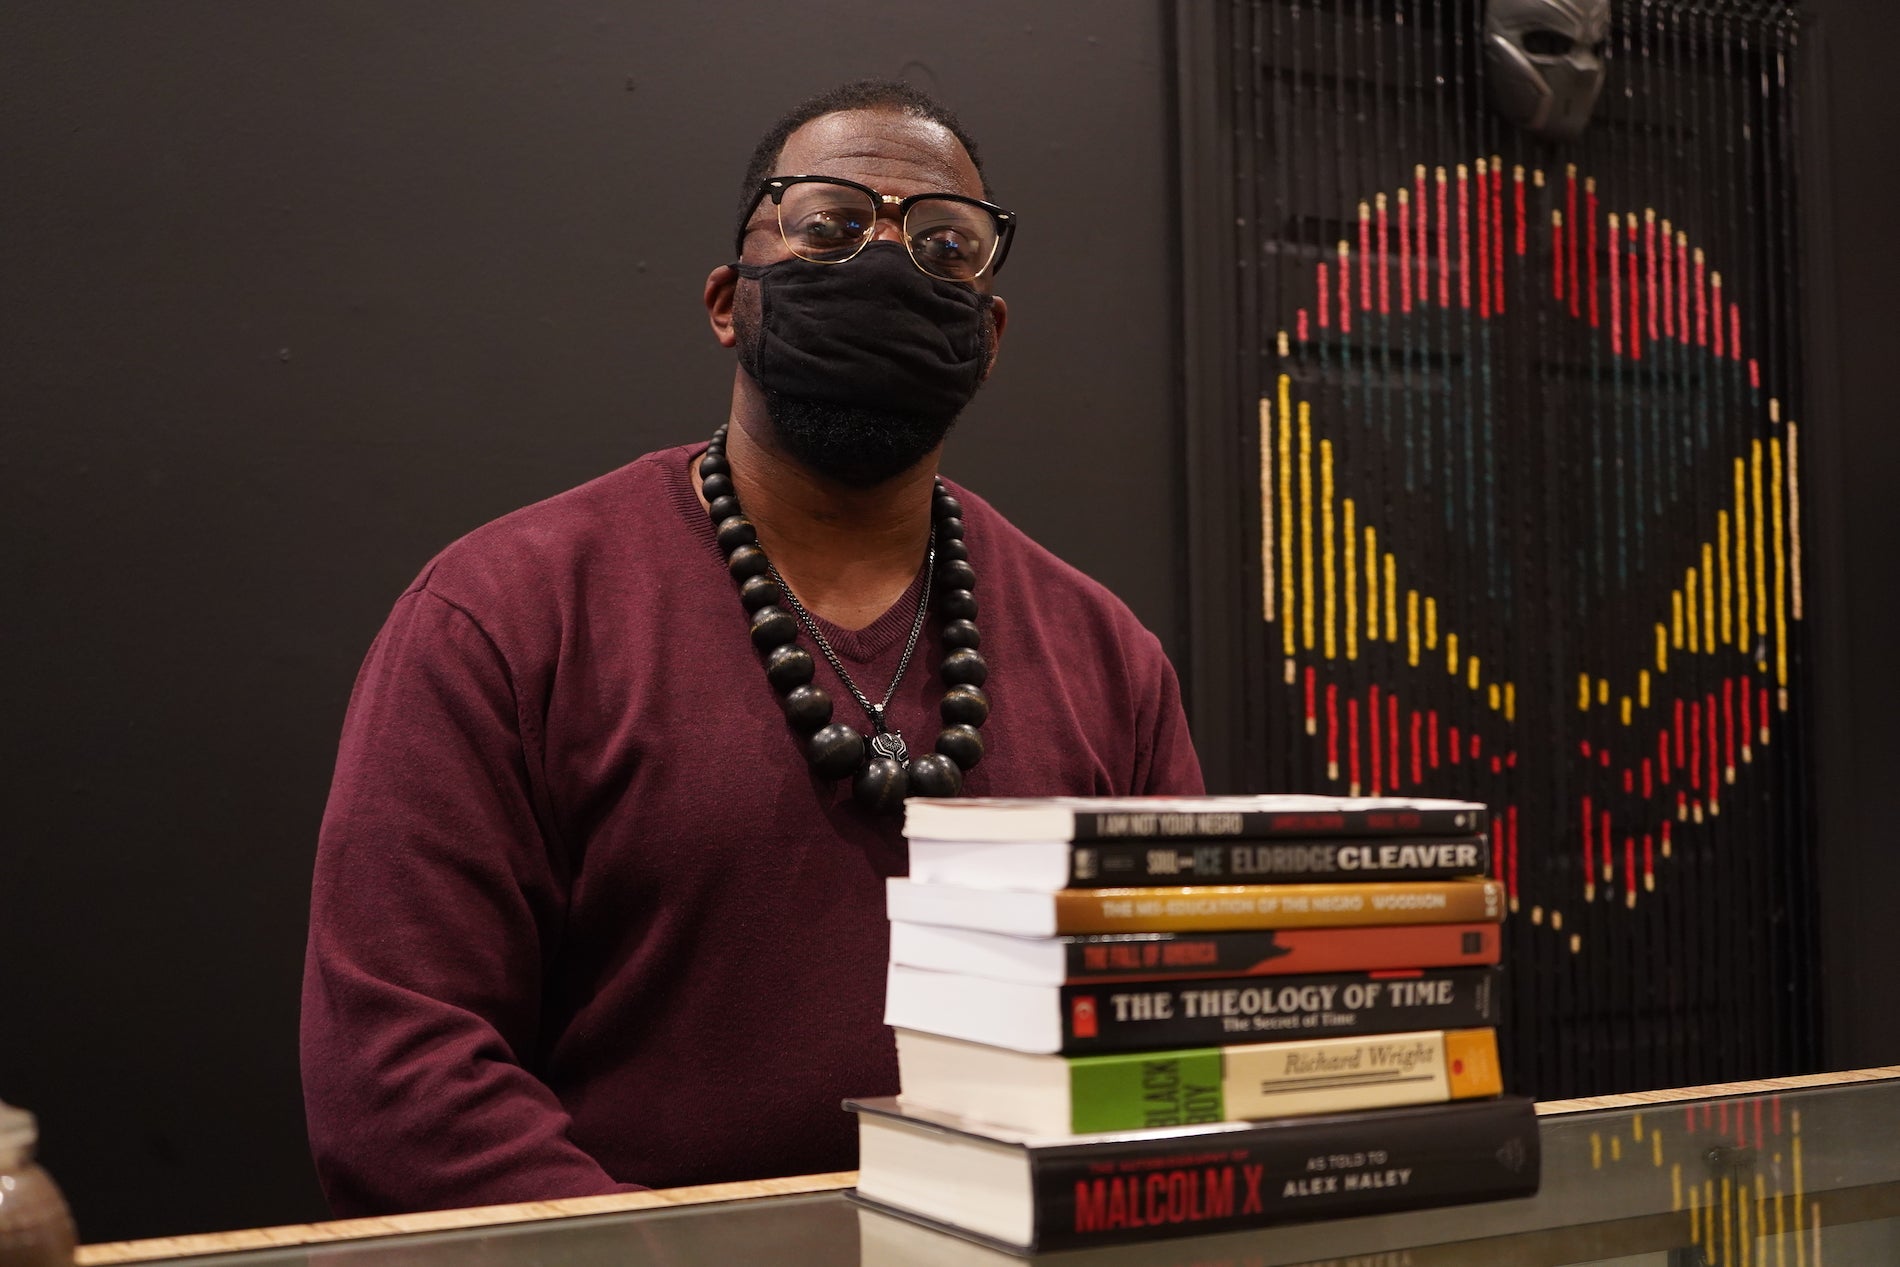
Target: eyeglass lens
point(828, 223)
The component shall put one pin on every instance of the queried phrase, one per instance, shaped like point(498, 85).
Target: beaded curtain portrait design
point(1528, 443)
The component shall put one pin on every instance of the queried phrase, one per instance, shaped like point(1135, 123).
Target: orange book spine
point(1209, 908)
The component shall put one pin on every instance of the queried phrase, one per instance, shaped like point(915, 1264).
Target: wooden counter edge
point(1764, 1086)
point(453, 1220)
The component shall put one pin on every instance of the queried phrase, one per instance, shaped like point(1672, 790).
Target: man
point(599, 891)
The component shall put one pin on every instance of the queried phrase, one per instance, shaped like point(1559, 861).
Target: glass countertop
point(1806, 1177)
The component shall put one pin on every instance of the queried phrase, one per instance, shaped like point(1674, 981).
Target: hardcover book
point(1201, 908)
point(1045, 866)
point(1210, 1012)
point(1175, 956)
point(1031, 1193)
point(1080, 1095)
point(1081, 818)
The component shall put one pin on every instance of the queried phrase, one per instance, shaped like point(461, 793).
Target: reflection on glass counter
point(1800, 1172)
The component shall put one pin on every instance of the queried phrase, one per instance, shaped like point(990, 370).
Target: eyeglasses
point(828, 220)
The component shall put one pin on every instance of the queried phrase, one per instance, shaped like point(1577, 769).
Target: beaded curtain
point(1529, 442)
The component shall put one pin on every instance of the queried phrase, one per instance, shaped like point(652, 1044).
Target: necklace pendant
point(888, 743)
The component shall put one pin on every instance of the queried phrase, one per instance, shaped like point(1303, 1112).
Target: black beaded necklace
point(883, 772)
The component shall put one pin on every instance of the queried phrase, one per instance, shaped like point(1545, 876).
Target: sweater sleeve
point(435, 905)
point(1172, 767)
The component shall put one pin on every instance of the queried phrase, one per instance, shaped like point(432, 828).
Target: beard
point(859, 446)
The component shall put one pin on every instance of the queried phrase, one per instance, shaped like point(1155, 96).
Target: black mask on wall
point(1544, 62)
point(865, 364)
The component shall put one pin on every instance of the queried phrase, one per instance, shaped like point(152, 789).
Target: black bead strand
point(964, 705)
point(962, 745)
point(772, 627)
point(881, 785)
point(759, 591)
point(957, 604)
point(962, 633)
point(963, 666)
point(934, 774)
point(808, 708)
point(788, 667)
point(832, 749)
point(836, 751)
point(956, 574)
point(735, 532)
point(747, 561)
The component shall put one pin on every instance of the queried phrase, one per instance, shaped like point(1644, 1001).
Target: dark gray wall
point(1853, 189)
point(296, 294)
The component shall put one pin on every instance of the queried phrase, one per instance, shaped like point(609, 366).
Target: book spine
point(1094, 825)
point(1152, 1016)
point(1329, 1075)
point(1280, 952)
point(1213, 908)
point(1303, 862)
point(1292, 1171)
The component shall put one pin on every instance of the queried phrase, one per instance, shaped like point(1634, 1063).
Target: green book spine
point(1155, 1088)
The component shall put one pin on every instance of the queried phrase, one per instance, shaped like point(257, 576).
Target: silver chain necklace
point(886, 742)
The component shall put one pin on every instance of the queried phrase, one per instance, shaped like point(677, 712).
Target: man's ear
point(721, 284)
point(999, 317)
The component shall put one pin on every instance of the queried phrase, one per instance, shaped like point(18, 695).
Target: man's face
point(896, 154)
point(893, 153)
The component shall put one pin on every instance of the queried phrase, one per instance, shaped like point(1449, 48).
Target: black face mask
point(865, 364)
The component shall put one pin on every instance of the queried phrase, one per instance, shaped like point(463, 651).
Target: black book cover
point(1276, 952)
point(1104, 825)
point(1135, 1016)
point(1288, 1170)
point(1318, 861)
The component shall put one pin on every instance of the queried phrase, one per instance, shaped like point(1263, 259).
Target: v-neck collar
point(860, 646)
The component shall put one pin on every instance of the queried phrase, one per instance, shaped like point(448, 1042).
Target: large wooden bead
point(962, 633)
point(722, 508)
point(714, 486)
point(788, 667)
point(881, 785)
point(956, 574)
point(965, 666)
point(945, 506)
point(772, 627)
point(807, 708)
point(934, 774)
point(957, 604)
point(758, 591)
point(735, 532)
point(836, 751)
point(952, 550)
point(963, 706)
point(713, 463)
point(962, 745)
point(747, 561)
point(950, 529)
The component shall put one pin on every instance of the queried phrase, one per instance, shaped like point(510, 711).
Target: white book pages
point(999, 956)
point(1036, 867)
point(997, 911)
point(1003, 1013)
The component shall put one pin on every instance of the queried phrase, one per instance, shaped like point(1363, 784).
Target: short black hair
point(860, 94)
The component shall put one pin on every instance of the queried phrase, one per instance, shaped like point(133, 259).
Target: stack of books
point(1139, 1017)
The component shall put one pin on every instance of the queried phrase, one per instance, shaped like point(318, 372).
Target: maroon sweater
point(582, 918)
